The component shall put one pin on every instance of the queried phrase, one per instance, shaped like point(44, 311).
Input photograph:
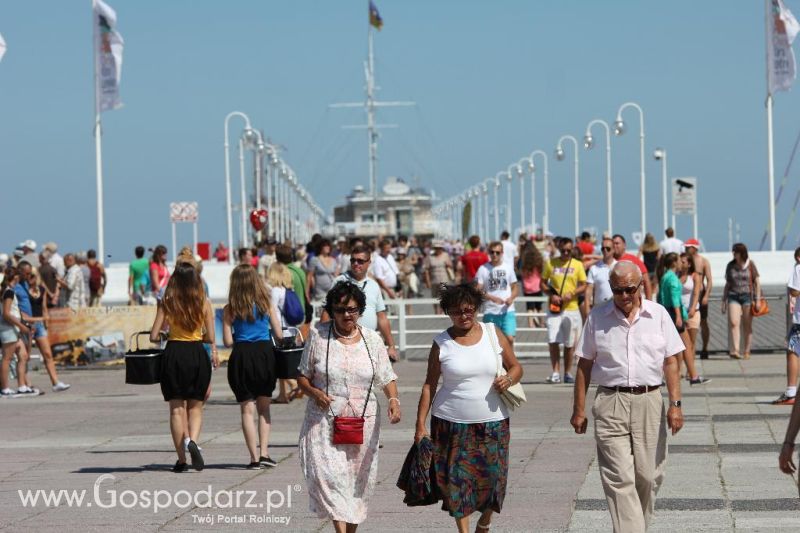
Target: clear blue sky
point(493, 81)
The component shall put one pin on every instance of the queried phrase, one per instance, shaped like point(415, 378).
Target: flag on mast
point(108, 57)
point(2, 48)
point(374, 17)
point(782, 30)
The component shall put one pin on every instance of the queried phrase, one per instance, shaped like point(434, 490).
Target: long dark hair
point(532, 260)
point(666, 263)
point(185, 297)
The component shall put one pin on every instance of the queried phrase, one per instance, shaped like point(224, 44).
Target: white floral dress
point(341, 478)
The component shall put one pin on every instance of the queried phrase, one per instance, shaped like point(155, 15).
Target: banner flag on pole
point(782, 30)
point(375, 17)
point(2, 48)
point(108, 57)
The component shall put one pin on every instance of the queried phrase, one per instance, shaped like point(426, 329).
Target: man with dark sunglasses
point(621, 254)
point(374, 315)
point(499, 283)
point(598, 289)
point(628, 347)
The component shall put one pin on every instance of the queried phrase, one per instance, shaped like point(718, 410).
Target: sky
point(493, 81)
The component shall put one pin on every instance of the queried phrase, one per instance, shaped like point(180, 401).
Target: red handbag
point(348, 429)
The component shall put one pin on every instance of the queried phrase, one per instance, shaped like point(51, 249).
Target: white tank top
point(686, 293)
point(466, 395)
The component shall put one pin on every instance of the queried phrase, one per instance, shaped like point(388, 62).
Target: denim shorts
point(39, 330)
point(793, 339)
point(741, 298)
point(8, 335)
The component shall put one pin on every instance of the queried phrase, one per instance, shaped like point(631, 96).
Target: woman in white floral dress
point(340, 361)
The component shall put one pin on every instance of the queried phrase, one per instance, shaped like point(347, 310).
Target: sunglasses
point(496, 252)
point(345, 310)
point(466, 313)
point(626, 290)
point(607, 248)
point(355, 261)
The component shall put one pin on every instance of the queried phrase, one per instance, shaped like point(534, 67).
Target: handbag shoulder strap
point(490, 330)
point(564, 279)
point(327, 376)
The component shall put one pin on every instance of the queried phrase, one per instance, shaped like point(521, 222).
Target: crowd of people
point(631, 321)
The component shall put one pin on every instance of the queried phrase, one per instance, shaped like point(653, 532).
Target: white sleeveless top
point(686, 293)
point(466, 395)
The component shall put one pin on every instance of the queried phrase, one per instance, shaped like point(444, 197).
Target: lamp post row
point(480, 217)
point(292, 213)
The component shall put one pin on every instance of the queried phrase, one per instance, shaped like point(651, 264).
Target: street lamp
point(660, 154)
point(560, 156)
point(588, 143)
point(619, 129)
point(528, 165)
point(486, 208)
point(510, 173)
point(497, 204)
point(546, 208)
point(229, 214)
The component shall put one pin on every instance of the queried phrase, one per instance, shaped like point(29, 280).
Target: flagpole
point(770, 159)
point(98, 148)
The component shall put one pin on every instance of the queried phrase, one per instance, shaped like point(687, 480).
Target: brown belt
point(641, 389)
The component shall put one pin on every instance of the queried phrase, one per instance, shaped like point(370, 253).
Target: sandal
point(483, 527)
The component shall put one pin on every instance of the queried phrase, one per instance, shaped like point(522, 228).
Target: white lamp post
point(228, 178)
point(528, 164)
point(510, 172)
point(588, 142)
point(242, 191)
point(486, 208)
point(560, 156)
point(497, 204)
point(619, 129)
point(546, 191)
point(660, 154)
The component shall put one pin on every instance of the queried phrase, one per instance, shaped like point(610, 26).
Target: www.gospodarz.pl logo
point(107, 497)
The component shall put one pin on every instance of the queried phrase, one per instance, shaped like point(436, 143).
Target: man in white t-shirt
point(671, 244)
point(793, 339)
point(598, 288)
point(385, 270)
point(499, 283)
point(509, 249)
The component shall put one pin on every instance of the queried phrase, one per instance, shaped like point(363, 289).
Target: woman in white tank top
point(469, 422)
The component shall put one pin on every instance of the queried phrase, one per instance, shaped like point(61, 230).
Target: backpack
point(292, 311)
point(95, 278)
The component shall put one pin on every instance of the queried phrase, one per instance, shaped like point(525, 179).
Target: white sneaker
point(554, 378)
point(26, 390)
point(7, 392)
point(58, 387)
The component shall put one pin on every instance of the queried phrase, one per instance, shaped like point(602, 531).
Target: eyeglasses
point(631, 289)
point(345, 310)
point(607, 248)
point(356, 261)
point(496, 252)
point(466, 313)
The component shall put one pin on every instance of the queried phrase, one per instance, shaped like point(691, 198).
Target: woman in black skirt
point(186, 370)
point(248, 321)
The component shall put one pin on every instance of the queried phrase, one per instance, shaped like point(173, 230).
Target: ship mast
point(370, 105)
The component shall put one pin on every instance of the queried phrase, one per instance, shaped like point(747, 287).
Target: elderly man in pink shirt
point(628, 348)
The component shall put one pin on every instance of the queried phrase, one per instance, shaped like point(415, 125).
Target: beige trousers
point(631, 435)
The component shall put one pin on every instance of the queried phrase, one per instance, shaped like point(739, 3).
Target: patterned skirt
point(470, 462)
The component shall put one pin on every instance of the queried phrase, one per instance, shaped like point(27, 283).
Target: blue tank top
point(258, 330)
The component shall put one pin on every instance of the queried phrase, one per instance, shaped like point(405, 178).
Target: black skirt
point(251, 370)
point(185, 371)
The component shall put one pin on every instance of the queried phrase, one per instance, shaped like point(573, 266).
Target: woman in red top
point(159, 273)
point(530, 268)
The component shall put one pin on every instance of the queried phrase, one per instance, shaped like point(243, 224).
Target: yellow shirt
point(177, 333)
point(554, 272)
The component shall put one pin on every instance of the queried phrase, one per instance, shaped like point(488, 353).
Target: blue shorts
point(793, 339)
point(39, 330)
point(507, 322)
point(741, 298)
